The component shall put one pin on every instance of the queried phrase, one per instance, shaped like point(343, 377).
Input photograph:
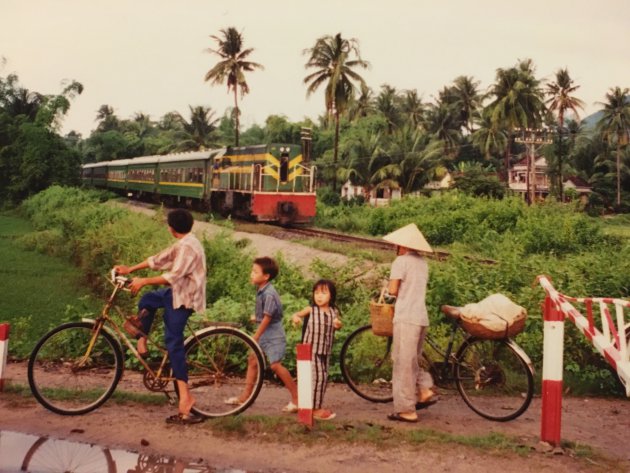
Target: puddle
point(23, 452)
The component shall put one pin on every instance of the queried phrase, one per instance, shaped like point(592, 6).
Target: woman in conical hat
point(412, 386)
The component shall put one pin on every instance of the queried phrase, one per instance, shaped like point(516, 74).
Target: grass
point(119, 396)
point(617, 225)
point(40, 290)
point(276, 428)
point(284, 430)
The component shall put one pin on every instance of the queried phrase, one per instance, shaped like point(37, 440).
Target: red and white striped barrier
point(610, 342)
point(553, 343)
point(4, 351)
point(305, 384)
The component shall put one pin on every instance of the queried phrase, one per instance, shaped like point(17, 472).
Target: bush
point(328, 196)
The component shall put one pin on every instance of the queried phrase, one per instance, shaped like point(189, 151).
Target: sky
point(151, 56)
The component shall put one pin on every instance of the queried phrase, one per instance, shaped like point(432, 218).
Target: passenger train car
point(268, 183)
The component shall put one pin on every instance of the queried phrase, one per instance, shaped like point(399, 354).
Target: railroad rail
point(369, 242)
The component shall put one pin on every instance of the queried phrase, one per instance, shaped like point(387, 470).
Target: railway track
point(369, 242)
point(312, 232)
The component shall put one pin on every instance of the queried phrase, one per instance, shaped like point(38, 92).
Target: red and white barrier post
point(305, 384)
point(4, 351)
point(553, 353)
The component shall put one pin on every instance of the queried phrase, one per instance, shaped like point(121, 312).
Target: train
point(265, 183)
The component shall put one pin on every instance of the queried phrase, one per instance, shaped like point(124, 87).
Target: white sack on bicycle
point(496, 313)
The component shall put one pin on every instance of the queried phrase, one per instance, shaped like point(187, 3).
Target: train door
point(256, 177)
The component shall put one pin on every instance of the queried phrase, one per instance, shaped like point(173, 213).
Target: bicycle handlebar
point(120, 281)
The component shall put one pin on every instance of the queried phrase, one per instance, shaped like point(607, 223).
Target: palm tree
point(615, 125)
point(489, 138)
point(467, 99)
point(561, 100)
point(232, 67)
point(200, 130)
point(142, 125)
point(518, 101)
point(359, 147)
point(362, 105)
point(413, 108)
point(444, 124)
point(21, 101)
point(331, 57)
point(410, 161)
point(388, 103)
point(107, 118)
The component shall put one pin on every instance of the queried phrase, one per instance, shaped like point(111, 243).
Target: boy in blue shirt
point(269, 333)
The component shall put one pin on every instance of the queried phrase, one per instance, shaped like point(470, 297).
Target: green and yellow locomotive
point(268, 183)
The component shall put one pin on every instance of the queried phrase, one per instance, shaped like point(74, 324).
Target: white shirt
point(413, 272)
point(185, 262)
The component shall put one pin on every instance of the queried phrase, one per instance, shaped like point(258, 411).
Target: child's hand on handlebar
point(122, 269)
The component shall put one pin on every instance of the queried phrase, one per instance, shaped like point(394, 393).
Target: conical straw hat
point(409, 237)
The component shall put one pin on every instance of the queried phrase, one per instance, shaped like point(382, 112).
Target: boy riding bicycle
point(185, 265)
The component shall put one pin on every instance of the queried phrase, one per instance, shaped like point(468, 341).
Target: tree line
point(375, 138)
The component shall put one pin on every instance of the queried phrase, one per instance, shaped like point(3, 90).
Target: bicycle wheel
point(217, 368)
point(366, 364)
point(493, 379)
point(67, 379)
point(62, 455)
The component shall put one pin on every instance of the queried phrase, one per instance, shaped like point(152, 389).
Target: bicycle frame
point(445, 369)
point(105, 322)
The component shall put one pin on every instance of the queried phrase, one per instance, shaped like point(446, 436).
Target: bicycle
point(495, 378)
point(76, 367)
point(48, 454)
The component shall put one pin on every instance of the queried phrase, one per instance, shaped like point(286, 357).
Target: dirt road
point(602, 424)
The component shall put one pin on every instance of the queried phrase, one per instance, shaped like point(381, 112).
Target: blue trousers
point(174, 324)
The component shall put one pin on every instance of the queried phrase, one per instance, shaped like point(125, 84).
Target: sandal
point(397, 417)
point(232, 401)
point(292, 408)
point(327, 415)
point(428, 402)
point(184, 419)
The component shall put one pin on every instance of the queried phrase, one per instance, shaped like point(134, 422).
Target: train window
point(226, 162)
point(284, 168)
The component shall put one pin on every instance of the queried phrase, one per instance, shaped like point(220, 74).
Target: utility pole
point(306, 136)
point(534, 139)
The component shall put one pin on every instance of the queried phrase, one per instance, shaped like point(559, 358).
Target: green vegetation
point(580, 253)
point(283, 430)
point(41, 290)
point(575, 250)
point(32, 155)
point(120, 396)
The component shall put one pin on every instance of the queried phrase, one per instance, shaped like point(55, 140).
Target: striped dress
point(319, 332)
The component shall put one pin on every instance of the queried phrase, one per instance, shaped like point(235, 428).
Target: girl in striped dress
point(321, 321)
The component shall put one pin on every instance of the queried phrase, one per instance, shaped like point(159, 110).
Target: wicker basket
point(479, 331)
point(382, 317)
